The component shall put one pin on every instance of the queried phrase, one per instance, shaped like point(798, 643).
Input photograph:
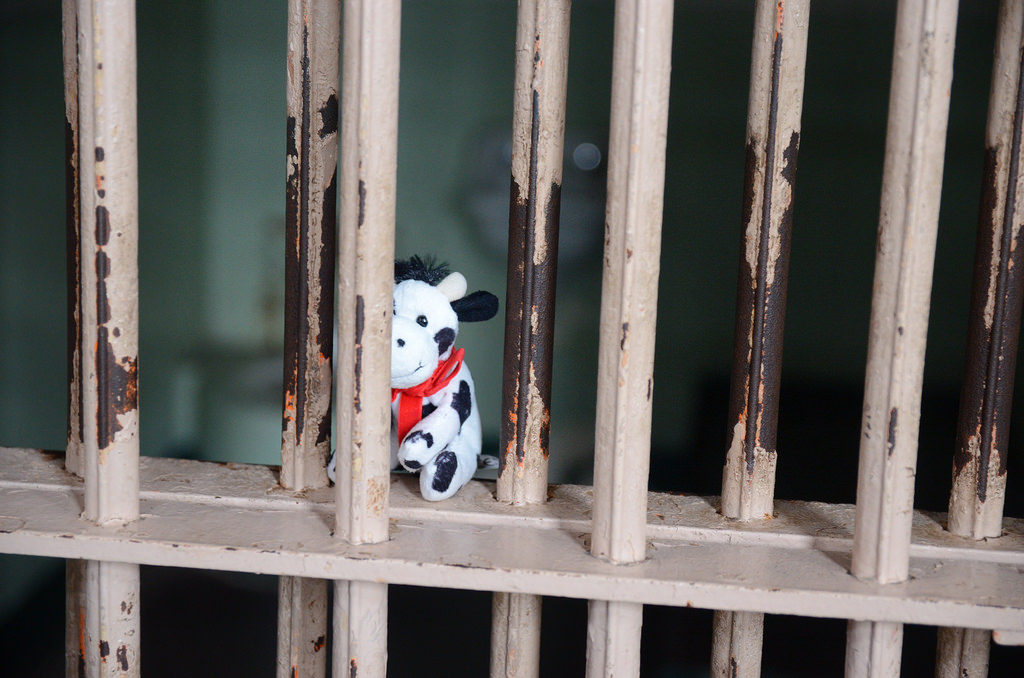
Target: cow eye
point(421, 321)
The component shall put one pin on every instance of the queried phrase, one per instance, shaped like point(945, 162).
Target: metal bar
point(983, 430)
point(911, 187)
point(962, 653)
point(538, 131)
point(109, 317)
point(74, 588)
point(613, 638)
point(515, 635)
point(73, 459)
point(736, 640)
point(641, 62)
point(111, 619)
point(214, 516)
point(301, 627)
point(360, 629)
point(310, 255)
point(773, 140)
point(310, 231)
point(74, 619)
point(979, 470)
point(778, 58)
point(369, 143)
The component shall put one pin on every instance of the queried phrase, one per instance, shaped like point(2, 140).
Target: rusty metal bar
point(108, 182)
point(310, 231)
point(979, 468)
point(983, 429)
point(911, 188)
point(641, 63)
point(369, 145)
point(69, 23)
point(773, 140)
point(778, 58)
point(74, 616)
point(310, 256)
point(538, 131)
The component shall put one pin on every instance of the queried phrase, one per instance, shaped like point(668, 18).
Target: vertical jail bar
point(109, 309)
point(74, 588)
point(538, 131)
point(911, 184)
point(641, 63)
point(310, 255)
point(69, 22)
point(369, 133)
point(983, 429)
point(773, 141)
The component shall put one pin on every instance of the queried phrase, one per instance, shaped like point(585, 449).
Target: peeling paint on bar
point(310, 258)
point(773, 140)
point(983, 427)
point(908, 223)
point(778, 59)
point(108, 208)
point(983, 431)
point(72, 207)
point(538, 131)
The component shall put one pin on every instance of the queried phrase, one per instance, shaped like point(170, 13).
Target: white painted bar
point(369, 142)
point(515, 635)
point(111, 619)
point(108, 195)
point(641, 61)
point(301, 627)
point(219, 516)
point(911, 188)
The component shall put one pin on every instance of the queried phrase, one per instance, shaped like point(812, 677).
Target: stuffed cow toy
point(435, 426)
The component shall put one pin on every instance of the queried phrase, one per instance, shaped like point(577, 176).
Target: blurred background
point(212, 173)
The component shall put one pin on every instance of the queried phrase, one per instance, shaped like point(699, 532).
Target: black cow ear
point(475, 307)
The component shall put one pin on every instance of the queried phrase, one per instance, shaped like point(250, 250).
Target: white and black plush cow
point(435, 425)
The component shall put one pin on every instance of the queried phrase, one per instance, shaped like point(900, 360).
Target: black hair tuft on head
point(415, 268)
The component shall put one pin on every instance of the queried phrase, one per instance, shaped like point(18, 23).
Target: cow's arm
point(438, 429)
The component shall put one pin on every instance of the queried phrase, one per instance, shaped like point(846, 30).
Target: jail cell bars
point(382, 531)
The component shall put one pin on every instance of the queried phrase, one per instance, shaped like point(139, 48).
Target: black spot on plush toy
point(435, 425)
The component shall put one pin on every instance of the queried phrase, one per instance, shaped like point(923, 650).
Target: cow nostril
point(400, 342)
point(412, 464)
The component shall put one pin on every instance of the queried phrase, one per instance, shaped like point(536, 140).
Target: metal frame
point(617, 545)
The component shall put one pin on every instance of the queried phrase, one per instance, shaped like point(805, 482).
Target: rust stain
point(122, 657)
point(357, 381)
point(986, 397)
point(318, 644)
point(73, 222)
point(891, 441)
point(116, 379)
point(352, 668)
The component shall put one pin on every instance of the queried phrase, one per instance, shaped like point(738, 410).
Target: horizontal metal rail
point(235, 517)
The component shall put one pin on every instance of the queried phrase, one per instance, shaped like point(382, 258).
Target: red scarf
point(410, 405)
